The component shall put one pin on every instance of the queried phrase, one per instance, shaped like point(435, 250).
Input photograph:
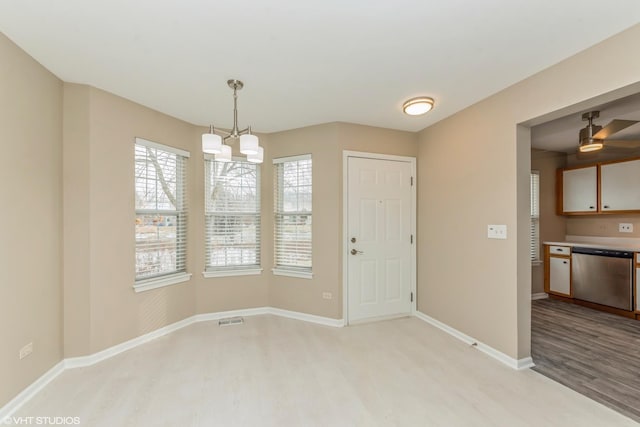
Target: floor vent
point(229, 321)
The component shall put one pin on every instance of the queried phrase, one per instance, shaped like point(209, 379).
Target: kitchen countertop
point(623, 243)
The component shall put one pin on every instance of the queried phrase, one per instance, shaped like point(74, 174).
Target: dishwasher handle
point(602, 252)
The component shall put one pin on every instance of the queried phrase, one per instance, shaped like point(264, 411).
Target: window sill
point(231, 273)
point(160, 282)
point(292, 273)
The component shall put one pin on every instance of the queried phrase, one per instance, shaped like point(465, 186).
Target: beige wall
point(305, 295)
point(602, 225)
point(326, 143)
point(472, 167)
point(101, 308)
point(31, 218)
point(229, 293)
point(473, 170)
point(552, 226)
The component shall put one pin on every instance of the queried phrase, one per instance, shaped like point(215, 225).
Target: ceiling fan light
point(258, 157)
point(248, 144)
point(590, 146)
point(418, 106)
point(211, 143)
point(225, 154)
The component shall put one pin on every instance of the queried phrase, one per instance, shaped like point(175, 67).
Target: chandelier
point(212, 143)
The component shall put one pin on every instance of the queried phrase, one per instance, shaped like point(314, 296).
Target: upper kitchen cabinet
point(620, 186)
point(578, 190)
point(601, 188)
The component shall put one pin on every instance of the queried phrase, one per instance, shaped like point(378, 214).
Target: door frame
point(345, 222)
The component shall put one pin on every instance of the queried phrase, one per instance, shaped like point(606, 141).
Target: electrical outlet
point(496, 231)
point(26, 350)
point(327, 295)
point(624, 227)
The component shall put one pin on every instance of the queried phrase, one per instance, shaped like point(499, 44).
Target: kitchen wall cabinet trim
point(619, 186)
point(578, 190)
point(599, 188)
point(635, 283)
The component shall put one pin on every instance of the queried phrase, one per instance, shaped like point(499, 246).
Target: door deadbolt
point(353, 240)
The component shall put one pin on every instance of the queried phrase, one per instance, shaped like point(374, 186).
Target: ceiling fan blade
point(622, 143)
point(613, 127)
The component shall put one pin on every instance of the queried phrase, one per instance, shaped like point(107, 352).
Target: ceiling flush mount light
point(587, 142)
point(418, 106)
point(213, 143)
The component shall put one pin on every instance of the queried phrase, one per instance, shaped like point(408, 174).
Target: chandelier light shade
point(258, 157)
point(418, 106)
point(214, 143)
point(249, 144)
point(211, 143)
point(225, 154)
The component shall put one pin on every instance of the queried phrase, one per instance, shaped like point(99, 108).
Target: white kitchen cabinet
point(560, 275)
point(580, 189)
point(619, 186)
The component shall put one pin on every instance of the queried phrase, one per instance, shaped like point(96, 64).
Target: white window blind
point(292, 213)
point(232, 215)
point(161, 210)
point(535, 216)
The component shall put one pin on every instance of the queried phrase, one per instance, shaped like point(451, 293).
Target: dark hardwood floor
point(592, 352)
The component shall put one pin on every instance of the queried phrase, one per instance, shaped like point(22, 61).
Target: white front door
point(379, 233)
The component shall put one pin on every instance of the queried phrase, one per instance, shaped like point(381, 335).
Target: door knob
point(356, 252)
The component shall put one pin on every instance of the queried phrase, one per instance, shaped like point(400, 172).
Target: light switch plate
point(497, 231)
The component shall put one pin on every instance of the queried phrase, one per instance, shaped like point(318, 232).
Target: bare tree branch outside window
point(161, 216)
point(232, 215)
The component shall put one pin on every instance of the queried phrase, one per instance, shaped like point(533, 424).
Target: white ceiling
point(307, 62)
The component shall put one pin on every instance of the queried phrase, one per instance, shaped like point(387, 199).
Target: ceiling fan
point(594, 137)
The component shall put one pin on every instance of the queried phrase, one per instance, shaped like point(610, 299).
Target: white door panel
point(379, 218)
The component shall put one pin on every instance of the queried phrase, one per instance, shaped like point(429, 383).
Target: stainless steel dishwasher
point(603, 276)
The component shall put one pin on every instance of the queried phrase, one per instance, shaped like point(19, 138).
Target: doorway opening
point(575, 338)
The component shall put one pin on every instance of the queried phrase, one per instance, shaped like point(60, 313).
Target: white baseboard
point(82, 361)
point(326, 321)
point(517, 364)
point(231, 313)
point(26, 394)
point(540, 295)
point(77, 362)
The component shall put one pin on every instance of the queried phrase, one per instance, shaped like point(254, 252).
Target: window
point(292, 212)
point(232, 218)
point(161, 215)
point(535, 217)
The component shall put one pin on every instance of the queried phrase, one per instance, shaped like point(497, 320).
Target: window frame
point(235, 269)
point(180, 274)
point(289, 270)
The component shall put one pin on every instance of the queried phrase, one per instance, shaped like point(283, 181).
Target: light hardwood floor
point(274, 371)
